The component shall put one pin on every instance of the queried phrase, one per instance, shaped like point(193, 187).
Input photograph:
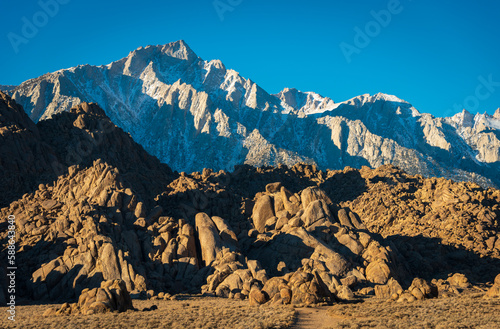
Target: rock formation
point(111, 296)
point(113, 213)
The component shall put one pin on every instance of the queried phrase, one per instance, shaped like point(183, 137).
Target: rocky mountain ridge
point(194, 114)
point(6, 88)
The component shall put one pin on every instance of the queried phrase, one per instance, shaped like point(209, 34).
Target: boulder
point(290, 202)
point(345, 293)
point(356, 221)
point(111, 296)
point(311, 194)
point(316, 211)
point(273, 187)
point(262, 211)
point(344, 218)
point(459, 280)
point(391, 290)
point(226, 233)
point(421, 289)
point(273, 286)
point(208, 236)
point(378, 272)
point(308, 288)
point(494, 291)
point(286, 294)
point(257, 297)
point(351, 243)
point(109, 262)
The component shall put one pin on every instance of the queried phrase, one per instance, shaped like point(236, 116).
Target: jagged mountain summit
point(6, 88)
point(194, 114)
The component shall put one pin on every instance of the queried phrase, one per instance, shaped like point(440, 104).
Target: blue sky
point(439, 56)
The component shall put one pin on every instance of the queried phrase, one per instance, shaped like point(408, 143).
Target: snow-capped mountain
point(193, 114)
point(6, 88)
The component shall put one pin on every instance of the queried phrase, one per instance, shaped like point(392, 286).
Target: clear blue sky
point(430, 53)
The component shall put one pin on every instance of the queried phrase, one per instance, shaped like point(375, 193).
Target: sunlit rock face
point(194, 114)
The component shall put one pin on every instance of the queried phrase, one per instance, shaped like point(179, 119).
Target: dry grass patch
point(190, 313)
point(470, 311)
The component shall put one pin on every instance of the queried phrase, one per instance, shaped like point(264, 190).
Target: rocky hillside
point(25, 158)
point(194, 114)
point(271, 234)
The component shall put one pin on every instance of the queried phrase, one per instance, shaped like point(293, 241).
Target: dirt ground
point(311, 318)
point(469, 311)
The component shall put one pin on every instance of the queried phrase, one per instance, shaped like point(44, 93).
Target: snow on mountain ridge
point(296, 101)
point(193, 113)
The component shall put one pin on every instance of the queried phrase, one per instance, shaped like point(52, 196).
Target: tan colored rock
point(286, 295)
point(355, 246)
point(344, 218)
point(262, 211)
point(494, 291)
point(111, 296)
point(459, 280)
point(140, 210)
point(278, 203)
point(311, 194)
point(356, 221)
point(345, 293)
point(292, 204)
point(208, 236)
point(226, 233)
point(421, 289)
point(51, 311)
point(406, 297)
point(316, 211)
point(257, 297)
point(378, 272)
point(273, 187)
point(109, 262)
point(391, 290)
point(273, 285)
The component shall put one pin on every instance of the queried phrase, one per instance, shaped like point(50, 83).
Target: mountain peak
point(464, 118)
point(496, 115)
point(179, 106)
point(307, 102)
point(387, 97)
point(179, 49)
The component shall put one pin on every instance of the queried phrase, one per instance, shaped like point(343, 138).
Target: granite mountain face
point(194, 114)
